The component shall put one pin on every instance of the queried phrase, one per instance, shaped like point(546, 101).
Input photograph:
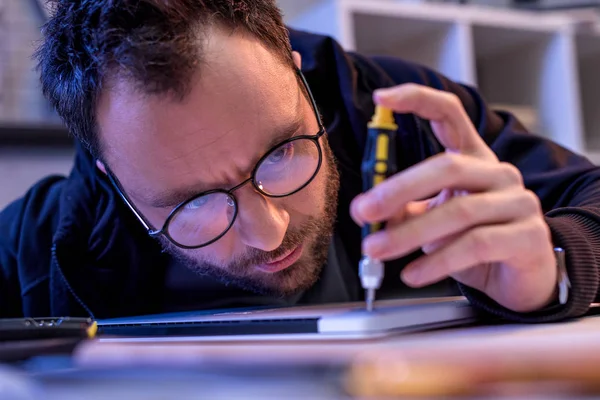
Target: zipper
point(64, 279)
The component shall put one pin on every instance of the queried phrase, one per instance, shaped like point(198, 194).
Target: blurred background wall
point(537, 58)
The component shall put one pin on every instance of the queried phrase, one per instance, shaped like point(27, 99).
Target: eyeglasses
point(203, 219)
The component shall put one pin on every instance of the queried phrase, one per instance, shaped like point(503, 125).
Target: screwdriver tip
point(370, 298)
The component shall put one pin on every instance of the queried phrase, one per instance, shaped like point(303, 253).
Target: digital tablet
point(339, 321)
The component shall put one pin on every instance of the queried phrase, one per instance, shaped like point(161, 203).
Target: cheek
point(221, 252)
point(217, 253)
point(310, 201)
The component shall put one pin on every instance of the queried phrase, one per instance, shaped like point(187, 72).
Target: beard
point(314, 234)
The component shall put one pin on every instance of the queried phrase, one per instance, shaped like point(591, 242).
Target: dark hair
point(155, 44)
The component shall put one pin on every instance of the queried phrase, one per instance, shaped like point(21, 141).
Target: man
point(206, 177)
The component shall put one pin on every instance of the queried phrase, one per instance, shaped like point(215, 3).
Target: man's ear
point(100, 166)
point(297, 59)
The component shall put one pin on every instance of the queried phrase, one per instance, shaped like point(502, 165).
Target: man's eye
point(196, 203)
point(281, 154)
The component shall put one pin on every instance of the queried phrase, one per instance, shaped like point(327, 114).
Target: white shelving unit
point(536, 65)
point(588, 57)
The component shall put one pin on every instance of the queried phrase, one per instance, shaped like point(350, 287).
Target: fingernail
point(362, 206)
point(380, 94)
point(365, 205)
point(374, 245)
point(354, 212)
point(359, 222)
point(411, 276)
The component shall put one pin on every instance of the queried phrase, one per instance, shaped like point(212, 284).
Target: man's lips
point(283, 262)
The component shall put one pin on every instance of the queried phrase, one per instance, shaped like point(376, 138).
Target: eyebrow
point(170, 199)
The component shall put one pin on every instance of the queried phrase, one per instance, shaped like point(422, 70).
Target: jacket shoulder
point(35, 210)
point(27, 226)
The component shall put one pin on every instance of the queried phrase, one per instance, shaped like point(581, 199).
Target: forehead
point(241, 94)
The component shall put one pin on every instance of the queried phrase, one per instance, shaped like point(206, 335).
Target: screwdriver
point(379, 162)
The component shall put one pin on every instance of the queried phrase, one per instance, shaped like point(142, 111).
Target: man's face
point(243, 101)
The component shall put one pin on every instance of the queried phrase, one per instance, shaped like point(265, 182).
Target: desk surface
point(275, 370)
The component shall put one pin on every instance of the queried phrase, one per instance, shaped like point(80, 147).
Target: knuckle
point(539, 228)
point(533, 237)
point(531, 203)
point(453, 100)
point(480, 244)
point(420, 95)
point(511, 173)
point(412, 90)
point(462, 209)
point(546, 233)
point(452, 164)
point(418, 234)
point(413, 86)
point(445, 261)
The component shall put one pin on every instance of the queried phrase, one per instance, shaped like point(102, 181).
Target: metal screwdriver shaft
point(370, 296)
point(371, 275)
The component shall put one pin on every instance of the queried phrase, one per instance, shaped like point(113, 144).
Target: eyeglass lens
point(282, 171)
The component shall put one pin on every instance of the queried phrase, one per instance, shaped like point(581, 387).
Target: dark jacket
point(70, 247)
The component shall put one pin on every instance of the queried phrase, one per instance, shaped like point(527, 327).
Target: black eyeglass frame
point(164, 229)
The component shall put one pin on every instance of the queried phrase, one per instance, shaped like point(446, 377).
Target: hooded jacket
point(69, 246)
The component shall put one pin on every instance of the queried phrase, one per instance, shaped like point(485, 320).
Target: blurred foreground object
point(518, 364)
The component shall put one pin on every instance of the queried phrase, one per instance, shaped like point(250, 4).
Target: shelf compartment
point(530, 70)
point(588, 54)
point(441, 45)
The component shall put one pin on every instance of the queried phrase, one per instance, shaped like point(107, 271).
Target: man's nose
point(260, 223)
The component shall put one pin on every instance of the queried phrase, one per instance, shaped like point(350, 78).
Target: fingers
point(450, 122)
point(478, 247)
point(451, 218)
point(444, 171)
point(411, 210)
